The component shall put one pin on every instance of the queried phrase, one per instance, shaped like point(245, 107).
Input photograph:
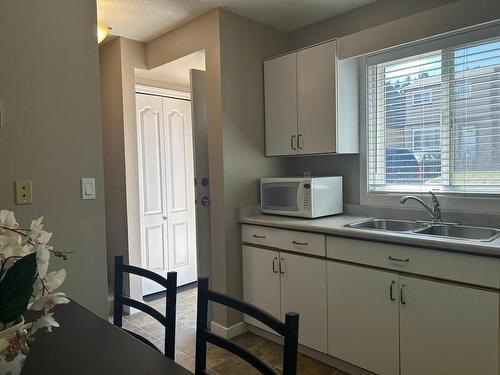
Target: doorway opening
point(173, 227)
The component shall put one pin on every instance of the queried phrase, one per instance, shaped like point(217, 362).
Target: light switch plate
point(23, 190)
point(88, 188)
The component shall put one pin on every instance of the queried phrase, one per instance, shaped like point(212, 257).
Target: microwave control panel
point(307, 196)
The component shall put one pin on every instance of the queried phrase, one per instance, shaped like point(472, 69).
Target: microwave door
point(280, 197)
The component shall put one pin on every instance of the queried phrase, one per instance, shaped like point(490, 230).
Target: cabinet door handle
point(391, 291)
point(399, 260)
point(282, 267)
point(299, 243)
point(292, 142)
point(275, 266)
point(402, 294)
point(257, 236)
point(298, 142)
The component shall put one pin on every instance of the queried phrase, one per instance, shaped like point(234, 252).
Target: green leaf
point(16, 288)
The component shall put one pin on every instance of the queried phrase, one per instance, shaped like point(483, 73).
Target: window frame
point(470, 201)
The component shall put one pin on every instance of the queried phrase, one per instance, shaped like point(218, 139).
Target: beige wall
point(235, 130)
point(49, 87)
point(203, 33)
point(114, 151)
point(244, 46)
point(118, 59)
point(199, 34)
point(359, 19)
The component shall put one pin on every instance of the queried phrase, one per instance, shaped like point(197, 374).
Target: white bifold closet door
point(167, 200)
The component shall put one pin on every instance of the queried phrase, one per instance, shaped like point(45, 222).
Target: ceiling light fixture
point(102, 32)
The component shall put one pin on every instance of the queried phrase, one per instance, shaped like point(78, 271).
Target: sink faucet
point(433, 209)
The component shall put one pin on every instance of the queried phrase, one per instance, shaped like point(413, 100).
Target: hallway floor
point(219, 361)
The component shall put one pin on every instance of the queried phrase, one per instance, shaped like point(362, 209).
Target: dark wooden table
point(87, 344)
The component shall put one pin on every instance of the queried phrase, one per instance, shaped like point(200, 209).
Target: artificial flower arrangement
point(25, 284)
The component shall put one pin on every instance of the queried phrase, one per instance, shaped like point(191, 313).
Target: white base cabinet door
point(447, 329)
point(303, 290)
point(261, 282)
point(363, 323)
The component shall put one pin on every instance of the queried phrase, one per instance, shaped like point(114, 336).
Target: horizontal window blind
point(433, 121)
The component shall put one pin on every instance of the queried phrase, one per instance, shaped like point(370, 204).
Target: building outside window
point(433, 121)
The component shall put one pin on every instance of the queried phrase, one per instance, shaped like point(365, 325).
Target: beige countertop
point(335, 226)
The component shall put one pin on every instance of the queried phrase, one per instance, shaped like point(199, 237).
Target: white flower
point(37, 233)
point(9, 238)
point(46, 321)
point(52, 281)
point(7, 219)
point(42, 260)
point(4, 344)
point(48, 301)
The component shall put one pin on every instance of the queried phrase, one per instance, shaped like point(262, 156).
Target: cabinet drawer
point(259, 235)
point(302, 242)
point(464, 268)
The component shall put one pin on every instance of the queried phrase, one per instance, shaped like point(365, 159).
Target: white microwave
point(301, 196)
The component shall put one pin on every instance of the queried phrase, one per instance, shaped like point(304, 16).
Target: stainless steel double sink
point(446, 230)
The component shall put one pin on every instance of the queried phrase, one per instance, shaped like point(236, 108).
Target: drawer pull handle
point(299, 243)
point(282, 267)
point(399, 260)
point(402, 294)
point(257, 236)
point(391, 291)
point(275, 267)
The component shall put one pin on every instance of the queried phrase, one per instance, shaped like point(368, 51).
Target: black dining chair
point(167, 320)
point(289, 330)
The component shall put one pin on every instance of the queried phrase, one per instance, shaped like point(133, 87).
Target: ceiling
point(175, 74)
point(144, 20)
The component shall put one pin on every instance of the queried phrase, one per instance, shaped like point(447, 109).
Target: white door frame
point(149, 90)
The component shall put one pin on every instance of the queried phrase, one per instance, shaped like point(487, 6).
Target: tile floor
point(219, 361)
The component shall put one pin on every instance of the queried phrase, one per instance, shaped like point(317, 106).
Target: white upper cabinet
point(316, 105)
point(311, 102)
point(280, 79)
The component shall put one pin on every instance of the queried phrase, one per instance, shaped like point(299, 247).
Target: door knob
point(205, 201)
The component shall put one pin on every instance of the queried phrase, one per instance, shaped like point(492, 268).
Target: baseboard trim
point(228, 332)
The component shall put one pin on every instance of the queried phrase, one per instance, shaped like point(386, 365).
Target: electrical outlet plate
point(24, 193)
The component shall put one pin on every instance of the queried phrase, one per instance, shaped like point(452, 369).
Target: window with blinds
point(433, 121)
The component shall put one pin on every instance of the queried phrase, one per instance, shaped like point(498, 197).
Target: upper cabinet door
point(447, 329)
point(280, 84)
point(316, 83)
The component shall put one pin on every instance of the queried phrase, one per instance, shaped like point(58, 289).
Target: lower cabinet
point(363, 324)
point(392, 324)
point(362, 310)
point(447, 329)
point(303, 290)
point(261, 282)
point(279, 282)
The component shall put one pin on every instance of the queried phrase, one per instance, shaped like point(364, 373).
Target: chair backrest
point(167, 320)
point(289, 330)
